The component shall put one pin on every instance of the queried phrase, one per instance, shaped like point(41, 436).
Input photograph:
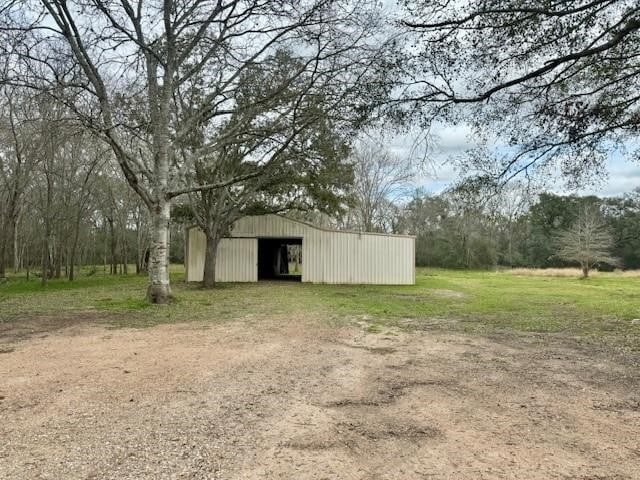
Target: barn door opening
point(280, 259)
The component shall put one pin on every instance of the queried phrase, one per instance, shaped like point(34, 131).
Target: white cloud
point(452, 139)
point(624, 176)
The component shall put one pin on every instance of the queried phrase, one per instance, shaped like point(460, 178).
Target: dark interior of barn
point(280, 259)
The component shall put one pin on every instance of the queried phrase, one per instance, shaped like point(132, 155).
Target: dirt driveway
point(283, 399)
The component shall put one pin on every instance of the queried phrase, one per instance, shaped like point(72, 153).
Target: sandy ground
point(292, 399)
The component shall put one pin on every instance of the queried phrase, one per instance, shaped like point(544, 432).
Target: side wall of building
point(327, 256)
point(362, 258)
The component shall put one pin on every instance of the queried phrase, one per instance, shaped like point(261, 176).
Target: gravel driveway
point(290, 398)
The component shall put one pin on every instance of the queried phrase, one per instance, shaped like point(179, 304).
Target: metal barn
point(262, 247)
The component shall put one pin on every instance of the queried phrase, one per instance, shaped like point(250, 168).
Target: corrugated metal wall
point(236, 261)
point(327, 256)
point(364, 258)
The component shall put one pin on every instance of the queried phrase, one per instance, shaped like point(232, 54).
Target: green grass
point(599, 308)
point(481, 300)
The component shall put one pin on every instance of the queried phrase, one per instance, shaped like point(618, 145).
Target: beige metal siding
point(327, 256)
point(270, 226)
point(196, 246)
point(363, 258)
point(237, 258)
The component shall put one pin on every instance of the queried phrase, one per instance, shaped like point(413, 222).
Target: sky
point(623, 174)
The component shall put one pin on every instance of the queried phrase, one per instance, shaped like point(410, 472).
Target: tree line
point(464, 227)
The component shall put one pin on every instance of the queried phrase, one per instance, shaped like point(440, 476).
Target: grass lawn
point(601, 308)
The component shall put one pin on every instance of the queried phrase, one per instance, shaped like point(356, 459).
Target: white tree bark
point(159, 290)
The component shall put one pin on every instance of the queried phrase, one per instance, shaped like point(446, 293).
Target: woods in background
point(65, 204)
point(167, 86)
point(545, 231)
point(63, 201)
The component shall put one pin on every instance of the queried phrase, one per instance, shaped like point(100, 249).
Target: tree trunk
point(3, 254)
point(585, 272)
point(125, 253)
point(59, 267)
point(17, 254)
point(74, 245)
point(58, 258)
point(510, 245)
point(8, 231)
point(17, 248)
point(113, 245)
point(27, 261)
point(104, 248)
point(209, 278)
point(138, 243)
point(72, 267)
point(45, 258)
point(72, 254)
point(47, 233)
point(159, 290)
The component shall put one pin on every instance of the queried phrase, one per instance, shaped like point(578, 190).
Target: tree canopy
point(555, 82)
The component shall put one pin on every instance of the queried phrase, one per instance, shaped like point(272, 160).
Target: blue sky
point(623, 174)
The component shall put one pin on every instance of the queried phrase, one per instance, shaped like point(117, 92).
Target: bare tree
point(53, 133)
point(18, 156)
point(141, 222)
point(52, 184)
point(91, 159)
point(146, 76)
point(587, 242)
point(506, 207)
point(380, 180)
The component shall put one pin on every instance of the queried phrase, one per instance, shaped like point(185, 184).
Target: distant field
point(603, 307)
point(568, 272)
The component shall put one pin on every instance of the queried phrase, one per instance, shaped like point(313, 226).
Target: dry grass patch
point(568, 272)
point(548, 272)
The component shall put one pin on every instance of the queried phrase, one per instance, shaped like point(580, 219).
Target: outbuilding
point(275, 247)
